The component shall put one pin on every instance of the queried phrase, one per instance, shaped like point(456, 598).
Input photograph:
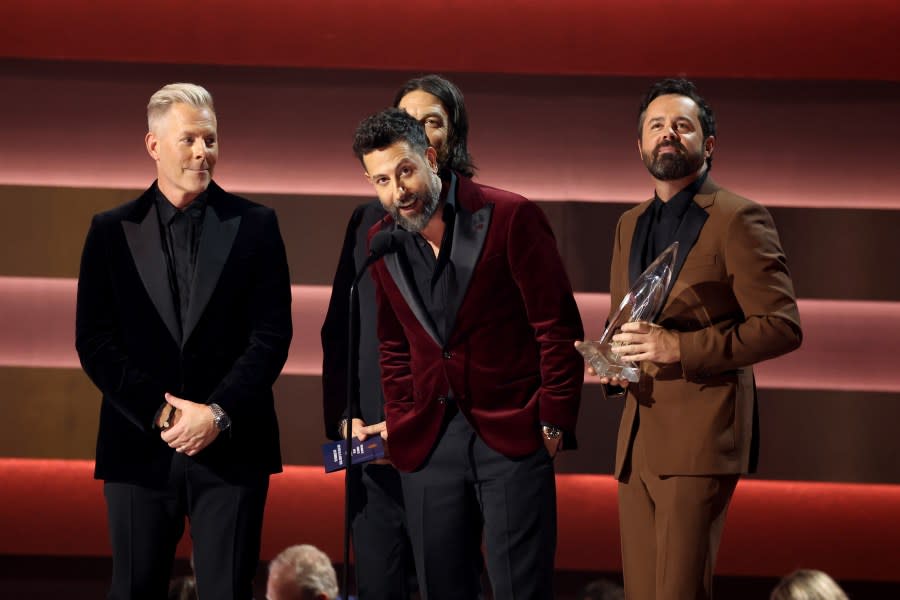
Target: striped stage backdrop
point(806, 95)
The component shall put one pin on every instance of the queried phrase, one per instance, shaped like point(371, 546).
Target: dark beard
point(671, 166)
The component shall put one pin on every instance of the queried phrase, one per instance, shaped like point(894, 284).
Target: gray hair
point(176, 93)
point(310, 569)
point(808, 584)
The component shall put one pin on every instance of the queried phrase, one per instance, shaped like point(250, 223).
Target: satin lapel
point(398, 273)
point(638, 243)
point(146, 249)
point(687, 233)
point(469, 232)
point(216, 241)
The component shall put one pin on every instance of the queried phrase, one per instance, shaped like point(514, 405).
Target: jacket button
point(447, 354)
point(442, 399)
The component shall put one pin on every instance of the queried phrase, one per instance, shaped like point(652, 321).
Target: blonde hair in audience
point(808, 584)
point(311, 569)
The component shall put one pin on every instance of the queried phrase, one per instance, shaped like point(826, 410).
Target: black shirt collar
point(167, 210)
point(678, 204)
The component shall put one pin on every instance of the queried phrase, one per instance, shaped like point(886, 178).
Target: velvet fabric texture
point(509, 360)
point(229, 351)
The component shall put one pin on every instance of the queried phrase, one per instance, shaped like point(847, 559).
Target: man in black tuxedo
point(384, 567)
point(183, 322)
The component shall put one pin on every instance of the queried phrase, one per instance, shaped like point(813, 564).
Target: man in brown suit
point(689, 428)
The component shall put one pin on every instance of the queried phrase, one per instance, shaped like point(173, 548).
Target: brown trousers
point(670, 527)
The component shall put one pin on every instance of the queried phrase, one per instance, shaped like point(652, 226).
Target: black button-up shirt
point(180, 235)
point(434, 276)
point(666, 218)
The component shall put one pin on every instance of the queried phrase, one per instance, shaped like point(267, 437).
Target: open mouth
point(407, 205)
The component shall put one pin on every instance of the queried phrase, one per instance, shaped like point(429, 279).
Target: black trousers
point(384, 561)
point(466, 489)
point(145, 525)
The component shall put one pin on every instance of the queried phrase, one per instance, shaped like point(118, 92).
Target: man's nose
point(200, 149)
point(670, 132)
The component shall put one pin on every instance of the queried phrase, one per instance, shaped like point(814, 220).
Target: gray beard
point(417, 223)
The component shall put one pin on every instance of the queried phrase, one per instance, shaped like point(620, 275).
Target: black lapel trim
point(686, 235)
point(399, 274)
point(469, 233)
point(216, 241)
point(146, 249)
point(639, 244)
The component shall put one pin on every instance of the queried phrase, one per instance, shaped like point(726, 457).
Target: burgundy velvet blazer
point(509, 359)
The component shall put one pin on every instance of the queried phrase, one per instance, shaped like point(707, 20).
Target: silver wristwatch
point(551, 432)
point(221, 419)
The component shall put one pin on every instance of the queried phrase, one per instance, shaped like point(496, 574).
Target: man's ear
point(431, 157)
point(709, 146)
point(152, 144)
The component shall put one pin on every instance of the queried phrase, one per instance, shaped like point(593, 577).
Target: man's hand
point(363, 431)
point(646, 341)
point(622, 383)
point(552, 445)
point(194, 427)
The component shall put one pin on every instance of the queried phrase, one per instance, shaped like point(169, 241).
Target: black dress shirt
point(180, 234)
point(666, 218)
point(434, 276)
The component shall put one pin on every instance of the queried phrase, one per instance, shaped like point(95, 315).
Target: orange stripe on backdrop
point(37, 317)
point(849, 530)
point(799, 39)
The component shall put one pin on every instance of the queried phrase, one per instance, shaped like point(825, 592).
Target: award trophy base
point(606, 363)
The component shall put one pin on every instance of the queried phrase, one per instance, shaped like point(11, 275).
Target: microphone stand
point(382, 243)
point(352, 395)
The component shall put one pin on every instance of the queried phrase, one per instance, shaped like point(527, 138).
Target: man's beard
point(430, 199)
point(672, 165)
point(443, 156)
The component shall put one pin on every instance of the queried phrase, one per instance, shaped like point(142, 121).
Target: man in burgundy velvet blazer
point(476, 320)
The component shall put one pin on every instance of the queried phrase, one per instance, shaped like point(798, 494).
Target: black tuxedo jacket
point(235, 340)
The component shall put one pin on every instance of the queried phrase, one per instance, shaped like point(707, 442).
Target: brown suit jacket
point(732, 303)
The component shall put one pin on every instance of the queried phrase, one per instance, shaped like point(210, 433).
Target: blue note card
point(333, 452)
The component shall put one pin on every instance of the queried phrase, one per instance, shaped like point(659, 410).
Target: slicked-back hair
point(458, 157)
point(386, 128)
point(176, 93)
point(680, 87)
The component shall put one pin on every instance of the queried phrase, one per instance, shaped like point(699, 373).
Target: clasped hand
point(193, 427)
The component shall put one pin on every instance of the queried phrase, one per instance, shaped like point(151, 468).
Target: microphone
point(385, 242)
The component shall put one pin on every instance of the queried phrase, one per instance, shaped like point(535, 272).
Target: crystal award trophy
point(642, 303)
